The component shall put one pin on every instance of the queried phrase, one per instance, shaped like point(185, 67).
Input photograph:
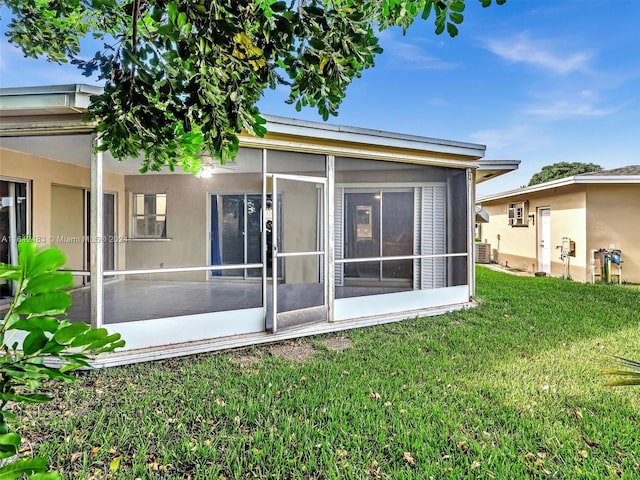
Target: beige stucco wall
point(517, 247)
point(187, 240)
point(43, 174)
point(68, 225)
point(189, 223)
point(613, 218)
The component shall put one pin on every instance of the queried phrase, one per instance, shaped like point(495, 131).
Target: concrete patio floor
point(132, 300)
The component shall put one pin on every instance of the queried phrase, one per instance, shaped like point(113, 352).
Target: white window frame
point(148, 217)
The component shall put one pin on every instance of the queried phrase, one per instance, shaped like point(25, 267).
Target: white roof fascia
point(367, 136)
point(65, 98)
point(485, 164)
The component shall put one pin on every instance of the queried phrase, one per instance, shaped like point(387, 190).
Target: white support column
point(471, 219)
point(263, 237)
point(330, 250)
point(96, 230)
point(274, 248)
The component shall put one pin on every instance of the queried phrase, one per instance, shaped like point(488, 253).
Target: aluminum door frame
point(276, 254)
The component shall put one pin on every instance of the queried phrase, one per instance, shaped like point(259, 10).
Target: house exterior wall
point(187, 221)
point(517, 247)
point(44, 176)
point(613, 219)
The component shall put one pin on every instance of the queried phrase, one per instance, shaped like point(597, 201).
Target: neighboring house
point(597, 211)
point(357, 226)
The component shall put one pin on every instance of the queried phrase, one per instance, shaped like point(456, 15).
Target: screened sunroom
point(314, 228)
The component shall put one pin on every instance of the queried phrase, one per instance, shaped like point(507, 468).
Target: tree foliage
point(184, 77)
point(34, 313)
point(562, 170)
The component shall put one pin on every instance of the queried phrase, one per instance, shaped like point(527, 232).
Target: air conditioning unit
point(483, 253)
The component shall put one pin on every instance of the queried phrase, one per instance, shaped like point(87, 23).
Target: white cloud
point(586, 103)
point(564, 109)
point(499, 139)
point(414, 57)
point(540, 53)
point(510, 140)
point(411, 56)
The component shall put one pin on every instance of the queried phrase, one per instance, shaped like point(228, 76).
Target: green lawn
point(508, 390)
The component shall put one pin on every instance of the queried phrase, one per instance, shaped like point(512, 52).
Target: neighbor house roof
point(621, 175)
point(630, 170)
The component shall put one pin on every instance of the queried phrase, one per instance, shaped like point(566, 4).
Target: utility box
point(607, 266)
point(483, 252)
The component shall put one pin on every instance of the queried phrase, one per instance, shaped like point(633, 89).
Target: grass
point(508, 390)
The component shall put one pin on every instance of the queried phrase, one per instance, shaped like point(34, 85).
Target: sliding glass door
point(14, 209)
point(379, 224)
point(235, 233)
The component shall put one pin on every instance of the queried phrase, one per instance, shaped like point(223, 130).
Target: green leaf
point(26, 397)
point(45, 476)
point(172, 10)
point(456, 18)
point(89, 336)
point(457, 6)
point(9, 444)
point(49, 282)
point(69, 333)
point(27, 249)
point(316, 43)
point(108, 344)
point(53, 303)
point(46, 261)
point(48, 324)
point(21, 467)
point(182, 19)
point(74, 361)
point(279, 6)
point(34, 342)
point(426, 11)
point(452, 29)
point(53, 373)
point(10, 272)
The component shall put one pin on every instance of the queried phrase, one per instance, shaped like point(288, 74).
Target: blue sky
point(541, 81)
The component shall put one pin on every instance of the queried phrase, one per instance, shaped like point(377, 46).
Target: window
point(517, 214)
point(149, 215)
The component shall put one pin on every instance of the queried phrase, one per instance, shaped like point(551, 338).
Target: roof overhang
point(57, 110)
point(482, 216)
point(46, 100)
point(488, 169)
